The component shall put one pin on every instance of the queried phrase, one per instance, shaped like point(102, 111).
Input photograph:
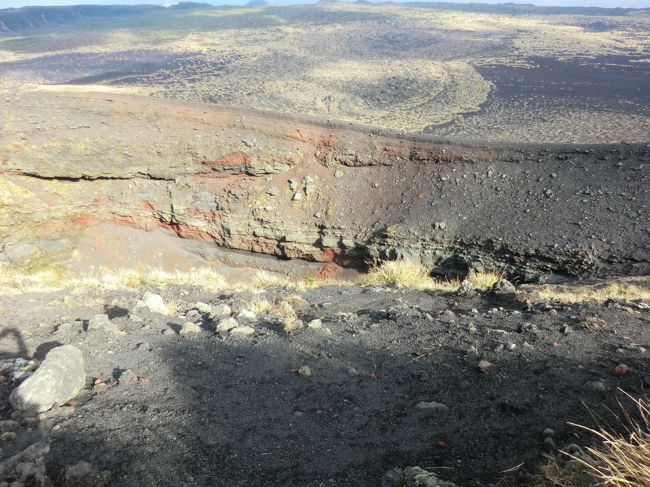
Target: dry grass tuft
point(561, 470)
point(598, 293)
point(37, 278)
point(203, 277)
point(408, 274)
point(485, 280)
point(266, 280)
point(41, 275)
point(623, 460)
point(619, 460)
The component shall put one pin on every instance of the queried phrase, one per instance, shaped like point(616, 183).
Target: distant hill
point(257, 3)
point(522, 8)
point(17, 19)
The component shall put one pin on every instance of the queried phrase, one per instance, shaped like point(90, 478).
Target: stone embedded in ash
point(246, 315)
point(220, 311)
point(154, 303)
point(127, 376)
point(243, 330)
point(466, 288)
point(101, 321)
point(504, 287)
point(190, 328)
point(304, 371)
point(432, 406)
point(59, 378)
point(316, 324)
point(413, 477)
point(203, 308)
point(227, 324)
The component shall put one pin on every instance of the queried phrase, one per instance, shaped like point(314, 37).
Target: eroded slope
point(304, 189)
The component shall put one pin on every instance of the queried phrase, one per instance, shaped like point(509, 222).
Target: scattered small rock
point(220, 311)
point(304, 371)
point(227, 324)
point(190, 328)
point(243, 330)
point(484, 366)
point(246, 315)
point(504, 288)
point(466, 288)
point(620, 370)
point(315, 324)
point(127, 377)
point(18, 368)
point(413, 477)
point(102, 322)
point(204, 308)
point(432, 406)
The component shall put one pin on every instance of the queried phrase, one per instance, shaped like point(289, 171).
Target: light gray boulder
point(59, 378)
point(154, 303)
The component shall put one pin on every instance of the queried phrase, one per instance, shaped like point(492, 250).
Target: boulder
point(242, 330)
point(220, 311)
point(466, 288)
point(154, 303)
point(504, 287)
point(59, 378)
point(190, 328)
point(227, 324)
point(203, 308)
point(101, 321)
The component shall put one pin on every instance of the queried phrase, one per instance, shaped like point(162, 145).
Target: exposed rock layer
point(231, 177)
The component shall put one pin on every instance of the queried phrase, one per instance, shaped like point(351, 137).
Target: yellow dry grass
point(623, 460)
point(597, 293)
point(408, 274)
point(267, 280)
point(485, 280)
point(38, 275)
point(618, 459)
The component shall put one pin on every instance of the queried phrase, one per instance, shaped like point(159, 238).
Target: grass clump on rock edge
point(408, 274)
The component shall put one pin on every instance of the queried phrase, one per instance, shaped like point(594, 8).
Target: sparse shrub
point(310, 281)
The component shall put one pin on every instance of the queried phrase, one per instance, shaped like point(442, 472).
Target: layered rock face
point(305, 189)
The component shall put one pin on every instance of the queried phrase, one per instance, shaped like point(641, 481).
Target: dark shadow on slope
point(13, 344)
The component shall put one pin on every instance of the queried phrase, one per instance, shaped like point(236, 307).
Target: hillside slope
point(300, 188)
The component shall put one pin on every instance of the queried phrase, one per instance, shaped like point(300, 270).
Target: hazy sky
point(591, 3)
